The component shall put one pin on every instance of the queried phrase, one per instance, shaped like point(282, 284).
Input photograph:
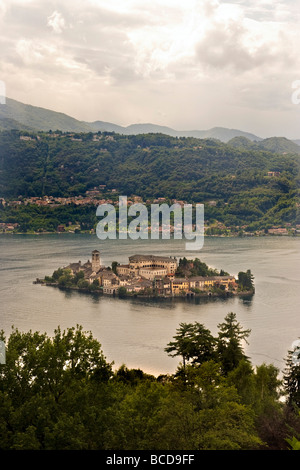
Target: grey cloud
point(91, 36)
point(222, 82)
point(223, 48)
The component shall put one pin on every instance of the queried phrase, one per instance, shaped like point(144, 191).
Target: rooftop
point(151, 258)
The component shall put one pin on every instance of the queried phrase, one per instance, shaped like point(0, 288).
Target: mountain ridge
point(17, 115)
point(280, 145)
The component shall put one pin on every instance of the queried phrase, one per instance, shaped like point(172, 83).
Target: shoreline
point(187, 296)
point(229, 235)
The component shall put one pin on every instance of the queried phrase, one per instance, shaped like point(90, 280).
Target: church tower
point(95, 261)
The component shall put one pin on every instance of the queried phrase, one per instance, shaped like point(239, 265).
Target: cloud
point(56, 22)
point(199, 62)
point(233, 45)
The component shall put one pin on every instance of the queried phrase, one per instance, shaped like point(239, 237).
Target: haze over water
point(135, 332)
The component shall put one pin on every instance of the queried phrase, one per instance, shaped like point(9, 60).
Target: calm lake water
point(135, 332)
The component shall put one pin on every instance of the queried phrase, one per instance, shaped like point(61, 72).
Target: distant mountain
point(221, 133)
point(135, 129)
point(243, 143)
point(39, 119)
point(101, 126)
point(17, 115)
point(7, 124)
point(279, 145)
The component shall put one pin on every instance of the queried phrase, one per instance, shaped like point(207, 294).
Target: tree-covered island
point(151, 276)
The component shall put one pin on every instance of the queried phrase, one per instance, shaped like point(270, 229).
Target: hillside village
point(91, 199)
point(53, 182)
point(143, 274)
point(99, 195)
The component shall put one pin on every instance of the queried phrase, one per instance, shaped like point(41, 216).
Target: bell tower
point(95, 261)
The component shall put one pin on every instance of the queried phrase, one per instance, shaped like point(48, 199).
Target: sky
point(189, 65)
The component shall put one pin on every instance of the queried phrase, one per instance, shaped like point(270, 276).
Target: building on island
point(148, 273)
point(151, 261)
point(96, 261)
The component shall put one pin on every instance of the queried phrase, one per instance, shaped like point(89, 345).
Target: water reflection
point(247, 300)
point(154, 302)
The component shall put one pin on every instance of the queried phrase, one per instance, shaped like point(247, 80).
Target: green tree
point(292, 376)
point(229, 346)
point(66, 280)
point(47, 389)
point(114, 266)
point(246, 280)
point(193, 419)
point(37, 363)
point(83, 284)
point(78, 276)
point(122, 292)
point(193, 342)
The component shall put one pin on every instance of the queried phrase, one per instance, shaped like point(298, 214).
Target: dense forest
point(60, 393)
point(231, 181)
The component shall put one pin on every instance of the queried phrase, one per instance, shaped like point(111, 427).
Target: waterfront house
point(179, 285)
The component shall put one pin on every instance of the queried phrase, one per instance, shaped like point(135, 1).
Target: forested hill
point(272, 144)
point(232, 182)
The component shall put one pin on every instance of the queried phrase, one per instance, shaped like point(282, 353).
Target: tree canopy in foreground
point(61, 393)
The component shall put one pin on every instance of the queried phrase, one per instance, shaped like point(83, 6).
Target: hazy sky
point(191, 64)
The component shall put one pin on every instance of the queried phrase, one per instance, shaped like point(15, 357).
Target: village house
point(197, 282)
point(110, 290)
point(226, 281)
point(125, 270)
point(179, 285)
point(26, 138)
point(278, 231)
point(162, 285)
point(8, 227)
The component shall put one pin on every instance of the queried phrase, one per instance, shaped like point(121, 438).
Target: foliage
point(196, 344)
point(246, 281)
point(122, 292)
point(229, 346)
point(60, 393)
point(63, 277)
point(294, 443)
point(193, 342)
point(196, 267)
point(292, 377)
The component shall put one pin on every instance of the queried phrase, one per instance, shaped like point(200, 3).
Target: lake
point(135, 332)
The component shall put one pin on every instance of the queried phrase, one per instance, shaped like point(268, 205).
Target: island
point(150, 276)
